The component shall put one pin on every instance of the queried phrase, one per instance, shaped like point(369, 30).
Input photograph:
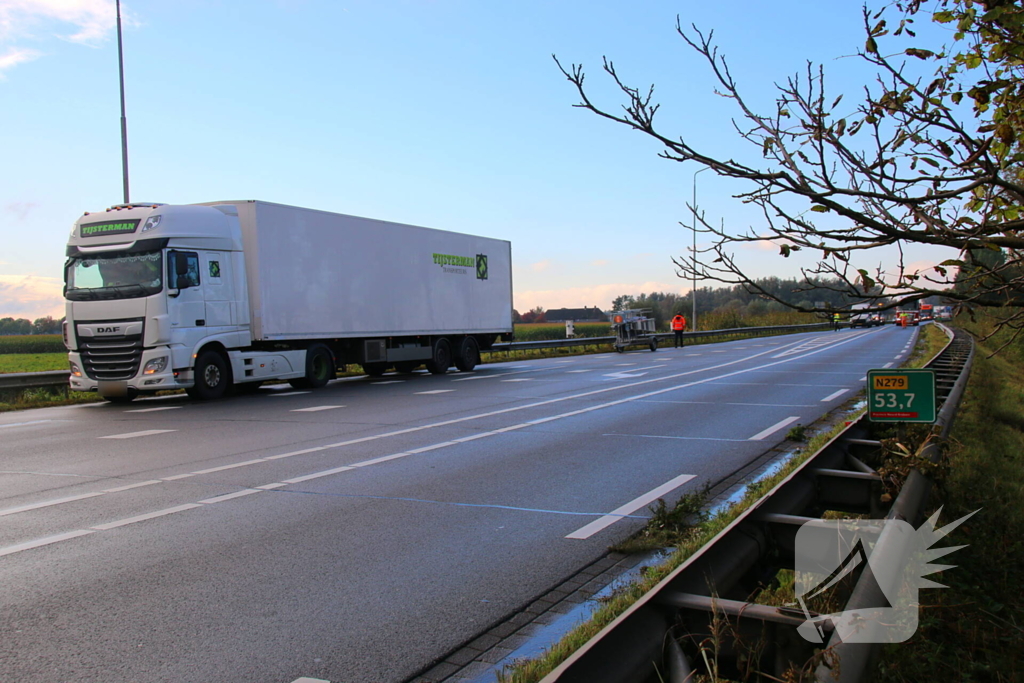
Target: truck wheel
point(213, 376)
point(375, 369)
point(468, 356)
point(442, 360)
point(654, 343)
point(319, 368)
point(407, 366)
point(620, 349)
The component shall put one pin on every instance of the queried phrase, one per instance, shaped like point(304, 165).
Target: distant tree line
point(823, 293)
point(47, 325)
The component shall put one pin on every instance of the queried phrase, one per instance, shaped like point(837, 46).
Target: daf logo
point(107, 330)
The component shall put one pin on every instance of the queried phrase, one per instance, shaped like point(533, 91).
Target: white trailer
point(207, 297)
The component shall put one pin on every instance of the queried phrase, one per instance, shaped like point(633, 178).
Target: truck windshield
point(116, 276)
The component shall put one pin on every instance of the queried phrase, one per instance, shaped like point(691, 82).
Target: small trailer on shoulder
point(634, 327)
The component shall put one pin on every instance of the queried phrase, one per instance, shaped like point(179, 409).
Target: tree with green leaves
point(930, 153)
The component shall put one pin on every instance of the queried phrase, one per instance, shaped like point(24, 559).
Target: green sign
point(481, 266)
point(108, 228)
point(901, 395)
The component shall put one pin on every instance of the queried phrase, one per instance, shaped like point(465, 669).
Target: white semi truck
point(222, 296)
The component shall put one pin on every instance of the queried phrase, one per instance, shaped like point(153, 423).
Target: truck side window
point(182, 269)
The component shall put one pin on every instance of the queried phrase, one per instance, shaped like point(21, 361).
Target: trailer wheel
point(468, 356)
point(319, 368)
point(619, 348)
point(375, 369)
point(213, 377)
point(654, 343)
point(442, 360)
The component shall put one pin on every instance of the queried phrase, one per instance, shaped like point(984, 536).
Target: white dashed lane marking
point(774, 428)
point(315, 409)
point(630, 507)
point(132, 435)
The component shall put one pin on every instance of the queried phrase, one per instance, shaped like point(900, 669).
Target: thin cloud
point(90, 20)
point(83, 22)
point(15, 56)
point(600, 263)
point(541, 266)
point(31, 296)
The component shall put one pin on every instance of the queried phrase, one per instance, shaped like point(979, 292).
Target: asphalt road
point(358, 532)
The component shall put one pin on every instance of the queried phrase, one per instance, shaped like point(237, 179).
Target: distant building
point(580, 315)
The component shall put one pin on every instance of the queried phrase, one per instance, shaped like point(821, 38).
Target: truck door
point(217, 288)
point(187, 308)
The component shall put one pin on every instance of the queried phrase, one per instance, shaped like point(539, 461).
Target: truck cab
point(146, 287)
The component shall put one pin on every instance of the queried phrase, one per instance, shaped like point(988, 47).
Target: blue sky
point(444, 113)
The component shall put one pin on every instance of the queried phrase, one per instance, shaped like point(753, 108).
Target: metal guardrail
point(59, 378)
point(709, 592)
point(33, 380)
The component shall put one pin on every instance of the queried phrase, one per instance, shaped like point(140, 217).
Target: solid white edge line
point(404, 454)
point(774, 428)
point(23, 424)
point(231, 466)
point(10, 550)
point(148, 515)
point(317, 475)
point(133, 486)
point(230, 496)
point(632, 506)
point(58, 501)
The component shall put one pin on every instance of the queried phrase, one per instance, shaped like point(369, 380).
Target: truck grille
point(111, 358)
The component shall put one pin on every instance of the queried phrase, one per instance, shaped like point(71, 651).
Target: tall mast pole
point(124, 120)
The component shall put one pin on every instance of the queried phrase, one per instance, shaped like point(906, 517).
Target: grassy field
point(32, 343)
point(33, 362)
point(545, 331)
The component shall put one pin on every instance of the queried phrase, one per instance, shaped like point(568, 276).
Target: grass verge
point(27, 399)
point(974, 631)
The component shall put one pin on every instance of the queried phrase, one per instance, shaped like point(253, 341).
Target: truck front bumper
point(166, 380)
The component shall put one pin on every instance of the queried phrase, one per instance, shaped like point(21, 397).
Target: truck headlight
point(155, 366)
point(75, 370)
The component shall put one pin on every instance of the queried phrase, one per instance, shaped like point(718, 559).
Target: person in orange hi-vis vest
point(679, 326)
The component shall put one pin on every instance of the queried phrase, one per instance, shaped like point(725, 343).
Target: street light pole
point(124, 120)
point(693, 270)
